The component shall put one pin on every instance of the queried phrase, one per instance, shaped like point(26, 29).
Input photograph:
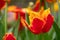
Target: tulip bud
point(9, 36)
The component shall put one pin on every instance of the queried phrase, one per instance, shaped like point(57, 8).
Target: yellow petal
point(56, 7)
point(11, 8)
point(45, 13)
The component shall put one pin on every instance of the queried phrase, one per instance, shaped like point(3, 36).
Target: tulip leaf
point(16, 28)
point(2, 31)
point(22, 35)
point(26, 30)
point(2, 28)
point(27, 18)
point(58, 15)
point(57, 30)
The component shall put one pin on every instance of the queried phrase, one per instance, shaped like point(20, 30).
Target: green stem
point(26, 31)
point(5, 18)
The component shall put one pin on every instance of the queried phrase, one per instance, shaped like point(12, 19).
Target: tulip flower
point(36, 7)
point(17, 12)
point(51, 1)
point(9, 36)
point(36, 25)
point(40, 22)
point(56, 6)
point(2, 3)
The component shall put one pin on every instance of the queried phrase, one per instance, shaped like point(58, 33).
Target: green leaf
point(16, 31)
point(22, 35)
point(16, 28)
point(2, 31)
point(27, 18)
point(57, 30)
point(26, 30)
point(58, 14)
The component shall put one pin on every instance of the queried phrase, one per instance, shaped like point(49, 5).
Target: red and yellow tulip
point(40, 22)
point(9, 36)
point(17, 12)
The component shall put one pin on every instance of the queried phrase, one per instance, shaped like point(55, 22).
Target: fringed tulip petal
point(36, 26)
point(48, 19)
point(48, 24)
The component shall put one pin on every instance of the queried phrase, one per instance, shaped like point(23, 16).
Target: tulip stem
point(26, 31)
point(5, 18)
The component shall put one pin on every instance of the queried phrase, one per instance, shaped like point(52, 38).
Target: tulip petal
point(37, 6)
point(37, 26)
point(51, 1)
point(48, 24)
point(2, 3)
point(9, 36)
point(20, 26)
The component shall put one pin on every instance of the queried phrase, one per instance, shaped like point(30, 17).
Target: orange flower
point(51, 1)
point(40, 22)
point(2, 3)
point(9, 36)
point(17, 11)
